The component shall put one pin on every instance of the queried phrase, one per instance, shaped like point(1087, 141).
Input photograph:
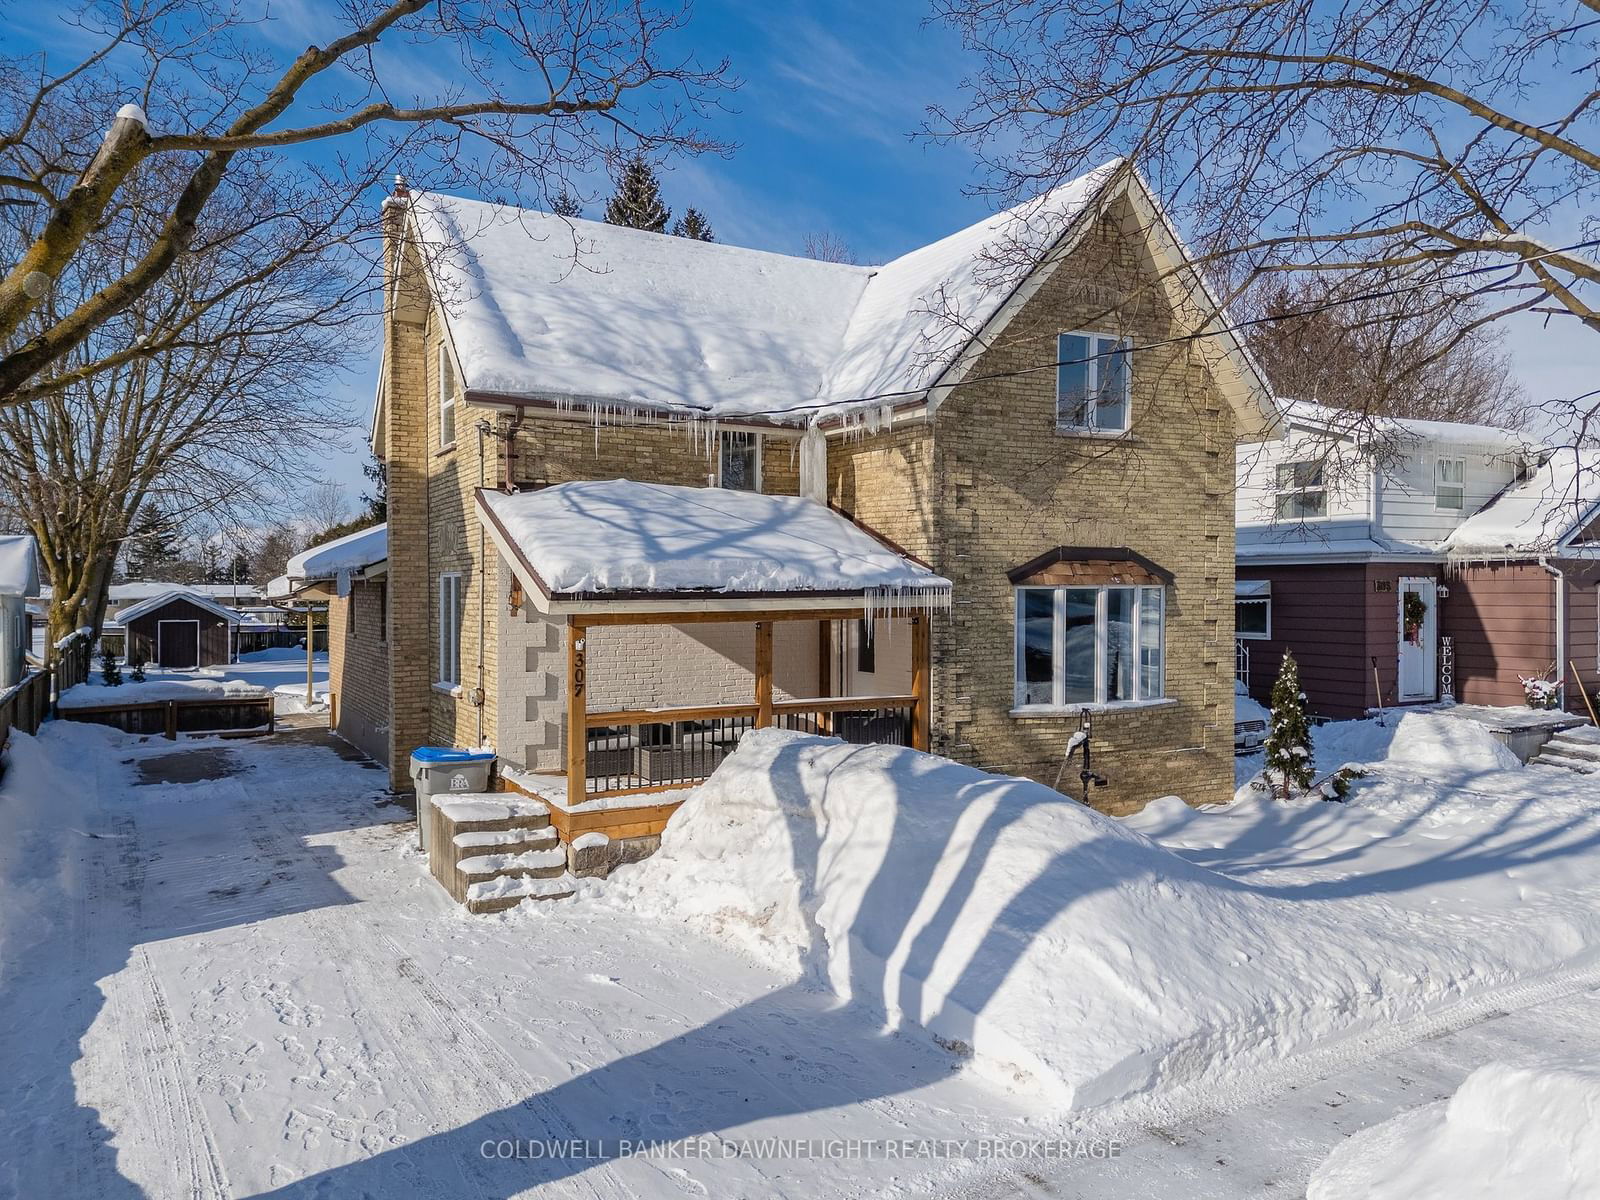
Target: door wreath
point(1415, 612)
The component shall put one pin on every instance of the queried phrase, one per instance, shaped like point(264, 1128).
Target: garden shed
point(179, 630)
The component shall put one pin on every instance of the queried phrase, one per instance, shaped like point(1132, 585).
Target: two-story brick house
point(1010, 456)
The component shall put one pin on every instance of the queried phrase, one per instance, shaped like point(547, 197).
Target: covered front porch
point(684, 617)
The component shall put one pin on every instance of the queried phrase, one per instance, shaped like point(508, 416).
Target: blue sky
point(823, 123)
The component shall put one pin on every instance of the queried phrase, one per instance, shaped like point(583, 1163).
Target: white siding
point(1408, 512)
point(1348, 480)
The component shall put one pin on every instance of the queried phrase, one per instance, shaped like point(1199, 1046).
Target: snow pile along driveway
point(94, 695)
point(1531, 1131)
point(1075, 957)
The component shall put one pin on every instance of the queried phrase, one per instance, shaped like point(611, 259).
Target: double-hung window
point(1092, 382)
point(739, 461)
point(1089, 645)
point(1302, 491)
point(1450, 484)
point(447, 397)
point(450, 629)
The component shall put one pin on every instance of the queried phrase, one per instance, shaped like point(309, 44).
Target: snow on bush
point(1432, 741)
point(1076, 959)
point(1529, 1131)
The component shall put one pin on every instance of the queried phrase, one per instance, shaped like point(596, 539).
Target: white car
point(1249, 722)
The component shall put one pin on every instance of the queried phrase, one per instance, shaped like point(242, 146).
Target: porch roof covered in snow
point(1550, 512)
point(363, 554)
point(619, 546)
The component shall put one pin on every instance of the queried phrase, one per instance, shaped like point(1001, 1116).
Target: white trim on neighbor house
point(1253, 592)
point(1143, 695)
point(161, 636)
point(1316, 487)
point(1458, 485)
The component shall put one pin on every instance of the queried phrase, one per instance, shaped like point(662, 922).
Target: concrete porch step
point(1572, 747)
point(506, 891)
point(492, 812)
point(1583, 766)
point(538, 864)
point(504, 841)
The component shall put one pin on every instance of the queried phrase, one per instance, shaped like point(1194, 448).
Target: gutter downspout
point(1561, 626)
point(478, 695)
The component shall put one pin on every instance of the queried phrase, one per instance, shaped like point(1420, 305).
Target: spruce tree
point(637, 201)
point(565, 204)
point(693, 224)
point(110, 669)
point(153, 545)
point(1288, 759)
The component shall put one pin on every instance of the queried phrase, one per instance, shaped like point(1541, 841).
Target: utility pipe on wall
point(1561, 626)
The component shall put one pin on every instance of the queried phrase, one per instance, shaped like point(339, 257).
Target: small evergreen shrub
point(1288, 758)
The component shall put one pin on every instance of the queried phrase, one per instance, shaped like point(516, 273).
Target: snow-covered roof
point(19, 565)
point(134, 611)
point(620, 536)
point(1366, 428)
point(353, 552)
point(557, 308)
point(143, 589)
point(1535, 516)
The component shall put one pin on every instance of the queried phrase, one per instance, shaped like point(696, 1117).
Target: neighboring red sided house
point(1409, 562)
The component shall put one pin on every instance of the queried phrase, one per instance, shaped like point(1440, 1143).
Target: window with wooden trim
point(1077, 646)
point(1302, 491)
point(1093, 381)
point(447, 398)
point(1450, 484)
point(739, 461)
point(450, 629)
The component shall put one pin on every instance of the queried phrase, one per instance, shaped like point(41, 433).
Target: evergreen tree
point(693, 224)
point(153, 545)
point(110, 669)
point(637, 201)
point(565, 204)
point(377, 501)
point(136, 661)
point(1288, 759)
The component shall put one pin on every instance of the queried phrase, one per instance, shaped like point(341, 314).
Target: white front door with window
point(1419, 640)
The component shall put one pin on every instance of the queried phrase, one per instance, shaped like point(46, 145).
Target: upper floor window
point(739, 461)
point(1302, 491)
point(1450, 484)
point(447, 397)
point(1089, 645)
point(1092, 383)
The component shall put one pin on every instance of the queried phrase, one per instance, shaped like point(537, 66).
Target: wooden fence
point(74, 654)
point(26, 705)
point(206, 714)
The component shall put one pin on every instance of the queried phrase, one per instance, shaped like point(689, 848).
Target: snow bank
point(1075, 958)
point(93, 695)
point(290, 698)
point(294, 654)
point(1530, 1131)
point(1434, 741)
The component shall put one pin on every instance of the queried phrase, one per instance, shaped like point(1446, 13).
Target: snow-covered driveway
point(272, 999)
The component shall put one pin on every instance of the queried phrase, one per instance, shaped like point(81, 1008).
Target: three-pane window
point(1102, 645)
point(1092, 383)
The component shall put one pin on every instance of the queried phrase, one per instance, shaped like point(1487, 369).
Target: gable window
point(1252, 609)
point(1450, 484)
point(1302, 491)
point(450, 629)
point(1092, 383)
point(739, 461)
point(447, 398)
point(1089, 645)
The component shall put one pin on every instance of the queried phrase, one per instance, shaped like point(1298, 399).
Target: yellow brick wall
point(358, 668)
point(992, 484)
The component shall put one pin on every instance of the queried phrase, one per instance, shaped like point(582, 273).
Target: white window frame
point(1439, 483)
point(1142, 594)
point(1098, 354)
point(1266, 603)
point(448, 397)
point(449, 665)
point(722, 435)
point(1279, 492)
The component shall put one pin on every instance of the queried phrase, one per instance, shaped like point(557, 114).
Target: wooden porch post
point(921, 668)
point(577, 712)
point(763, 674)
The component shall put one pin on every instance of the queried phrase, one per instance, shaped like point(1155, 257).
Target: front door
point(178, 644)
point(1419, 640)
